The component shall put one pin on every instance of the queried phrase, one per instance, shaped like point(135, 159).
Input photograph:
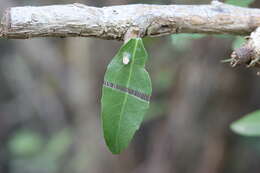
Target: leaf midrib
point(126, 95)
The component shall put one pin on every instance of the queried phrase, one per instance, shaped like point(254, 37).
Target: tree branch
point(115, 21)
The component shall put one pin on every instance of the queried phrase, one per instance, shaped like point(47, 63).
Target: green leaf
point(125, 95)
point(242, 3)
point(248, 125)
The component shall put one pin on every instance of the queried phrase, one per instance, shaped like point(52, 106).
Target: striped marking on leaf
point(129, 91)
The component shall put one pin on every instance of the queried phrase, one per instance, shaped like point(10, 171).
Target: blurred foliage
point(248, 125)
point(242, 3)
point(238, 42)
point(59, 143)
point(31, 154)
point(223, 36)
point(163, 79)
point(182, 41)
point(25, 143)
point(157, 109)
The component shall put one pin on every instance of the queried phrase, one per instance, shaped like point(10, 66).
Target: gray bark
point(78, 20)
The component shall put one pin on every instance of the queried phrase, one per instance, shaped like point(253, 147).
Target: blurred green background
point(50, 104)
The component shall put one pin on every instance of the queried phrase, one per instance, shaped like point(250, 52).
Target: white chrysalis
point(126, 58)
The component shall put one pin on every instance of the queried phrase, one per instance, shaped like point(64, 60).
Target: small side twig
point(249, 53)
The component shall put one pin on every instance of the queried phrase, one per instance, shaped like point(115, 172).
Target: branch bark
point(78, 20)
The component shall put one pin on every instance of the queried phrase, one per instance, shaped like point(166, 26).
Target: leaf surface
point(125, 95)
point(248, 125)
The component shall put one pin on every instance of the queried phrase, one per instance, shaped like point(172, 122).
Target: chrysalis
point(125, 95)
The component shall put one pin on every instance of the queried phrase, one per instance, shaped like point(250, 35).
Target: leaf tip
point(248, 125)
point(115, 150)
point(237, 128)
